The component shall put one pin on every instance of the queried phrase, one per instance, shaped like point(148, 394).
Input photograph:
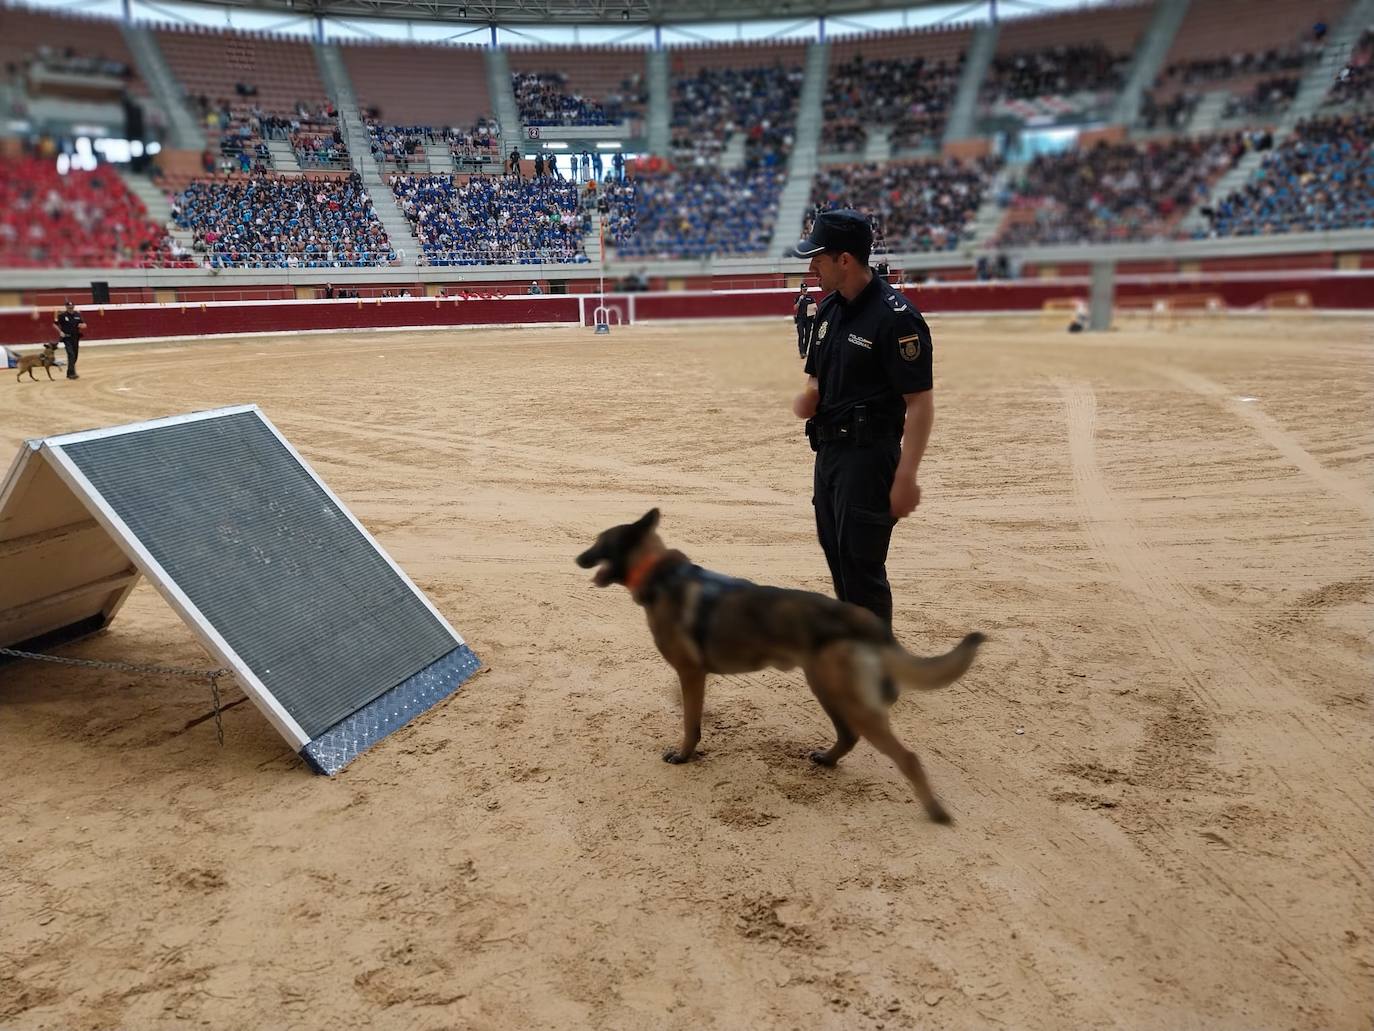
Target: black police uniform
point(805, 318)
point(69, 326)
point(866, 354)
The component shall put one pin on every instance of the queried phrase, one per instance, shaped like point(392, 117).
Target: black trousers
point(72, 347)
point(853, 488)
point(804, 334)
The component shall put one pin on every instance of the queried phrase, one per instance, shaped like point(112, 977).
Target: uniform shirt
point(869, 351)
point(69, 324)
point(806, 306)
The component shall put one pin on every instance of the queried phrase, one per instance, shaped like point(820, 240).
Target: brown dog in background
point(703, 623)
point(46, 359)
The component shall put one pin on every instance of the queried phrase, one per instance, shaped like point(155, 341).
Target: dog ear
point(648, 521)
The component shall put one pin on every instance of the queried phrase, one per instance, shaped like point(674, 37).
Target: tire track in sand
point(1330, 480)
point(1191, 638)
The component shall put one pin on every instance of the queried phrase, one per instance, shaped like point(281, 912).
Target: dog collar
point(641, 570)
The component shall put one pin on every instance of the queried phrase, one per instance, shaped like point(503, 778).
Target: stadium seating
point(913, 205)
point(1115, 191)
point(1222, 45)
point(1321, 178)
point(78, 220)
point(697, 212)
point(579, 86)
point(712, 104)
point(411, 84)
point(1355, 82)
point(490, 220)
point(66, 43)
point(266, 222)
point(1062, 64)
point(885, 81)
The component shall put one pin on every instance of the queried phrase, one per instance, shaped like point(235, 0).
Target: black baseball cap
point(841, 230)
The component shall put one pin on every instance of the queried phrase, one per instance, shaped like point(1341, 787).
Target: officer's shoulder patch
point(897, 302)
point(909, 347)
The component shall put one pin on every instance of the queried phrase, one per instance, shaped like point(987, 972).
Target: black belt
point(828, 433)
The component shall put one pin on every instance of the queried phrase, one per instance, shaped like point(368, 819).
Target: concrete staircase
point(1232, 180)
point(503, 98)
point(989, 217)
point(1159, 37)
point(1207, 115)
point(660, 104)
point(732, 157)
point(877, 144)
point(801, 169)
point(157, 202)
point(283, 157)
point(183, 129)
point(963, 112)
point(359, 141)
point(1317, 80)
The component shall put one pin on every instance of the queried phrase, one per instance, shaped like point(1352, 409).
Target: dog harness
point(712, 587)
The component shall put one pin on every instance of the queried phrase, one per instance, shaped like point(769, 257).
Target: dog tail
point(937, 671)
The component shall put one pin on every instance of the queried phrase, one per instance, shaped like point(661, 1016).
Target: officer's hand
point(905, 496)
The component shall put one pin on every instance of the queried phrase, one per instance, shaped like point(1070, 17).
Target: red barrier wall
point(120, 322)
point(1335, 290)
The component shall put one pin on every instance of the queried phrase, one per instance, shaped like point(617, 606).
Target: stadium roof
point(591, 12)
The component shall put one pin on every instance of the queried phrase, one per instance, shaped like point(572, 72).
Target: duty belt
point(829, 432)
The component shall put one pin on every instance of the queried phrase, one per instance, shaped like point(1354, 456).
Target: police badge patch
point(910, 347)
point(820, 333)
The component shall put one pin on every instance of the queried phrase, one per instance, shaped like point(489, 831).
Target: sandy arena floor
point(1160, 768)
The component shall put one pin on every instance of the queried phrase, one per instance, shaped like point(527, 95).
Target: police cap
point(841, 230)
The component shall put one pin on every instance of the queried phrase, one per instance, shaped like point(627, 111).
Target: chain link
point(212, 675)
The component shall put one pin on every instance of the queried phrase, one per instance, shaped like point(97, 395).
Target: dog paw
point(820, 758)
point(939, 814)
point(675, 757)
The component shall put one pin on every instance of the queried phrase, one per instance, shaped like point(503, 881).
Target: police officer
point(69, 323)
point(804, 315)
point(868, 406)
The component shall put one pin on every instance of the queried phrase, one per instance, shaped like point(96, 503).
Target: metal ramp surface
point(323, 631)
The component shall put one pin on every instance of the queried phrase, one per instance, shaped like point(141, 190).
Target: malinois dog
point(46, 359)
point(703, 622)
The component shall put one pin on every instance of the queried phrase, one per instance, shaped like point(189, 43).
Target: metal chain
point(212, 675)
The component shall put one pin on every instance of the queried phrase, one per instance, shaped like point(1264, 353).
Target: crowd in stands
point(238, 130)
point(82, 219)
point(620, 202)
point(914, 206)
point(696, 212)
point(70, 62)
point(320, 148)
point(299, 222)
point(910, 95)
point(1271, 62)
point(1320, 178)
point(711, 106)
point(1266, 98)
point(1185, 81)
point(398, 145)
point(1173, 113)
point(546, 98)
point(1115, 191)
point(1355, 82)
point(1059, 70)
point(493, 220)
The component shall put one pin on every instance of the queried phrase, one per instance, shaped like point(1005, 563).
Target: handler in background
point(69, 324)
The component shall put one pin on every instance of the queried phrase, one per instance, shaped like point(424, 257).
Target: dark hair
point(860, 256)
